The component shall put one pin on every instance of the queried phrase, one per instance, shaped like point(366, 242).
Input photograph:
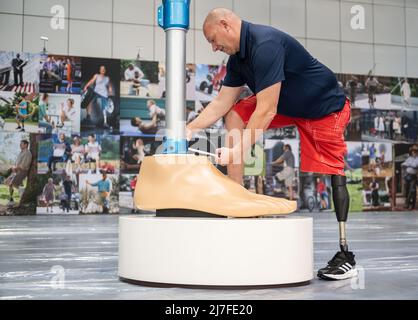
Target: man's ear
point(224, 24)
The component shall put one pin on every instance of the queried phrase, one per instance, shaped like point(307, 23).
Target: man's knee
point(232, 117)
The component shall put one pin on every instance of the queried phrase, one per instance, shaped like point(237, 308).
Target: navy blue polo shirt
point(268, 56)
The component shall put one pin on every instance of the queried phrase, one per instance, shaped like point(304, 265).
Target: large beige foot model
point(192, 182)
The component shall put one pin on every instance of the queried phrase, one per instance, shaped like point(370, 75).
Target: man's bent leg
point(234, 126)
point(237, 118)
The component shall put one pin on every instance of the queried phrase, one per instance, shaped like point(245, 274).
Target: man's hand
point(227, 156)
point(189, 134)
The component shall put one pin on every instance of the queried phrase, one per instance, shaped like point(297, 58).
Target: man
point(68, 190)
point(61, 151)
point(130, 73)
point(150, 128)
point(18, 65)
point(374, 188)
point(352, 84)
point(288, 172)
point(371, 85)
point(136, 76)
point(18, 173)
point(104, 187)
point(290, 88)
point(411, 168)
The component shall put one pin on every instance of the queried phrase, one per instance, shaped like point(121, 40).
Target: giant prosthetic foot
point(184, 181)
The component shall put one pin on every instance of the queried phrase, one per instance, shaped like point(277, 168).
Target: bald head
point(217, 14)
point(222, 29)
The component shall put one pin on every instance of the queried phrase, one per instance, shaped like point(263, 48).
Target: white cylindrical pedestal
point(216, 252)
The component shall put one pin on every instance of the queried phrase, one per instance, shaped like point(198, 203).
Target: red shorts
point(322, 144)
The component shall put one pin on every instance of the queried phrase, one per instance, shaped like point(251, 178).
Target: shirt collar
point(243, 39)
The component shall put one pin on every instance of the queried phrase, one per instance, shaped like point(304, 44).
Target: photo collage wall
point(75, 130)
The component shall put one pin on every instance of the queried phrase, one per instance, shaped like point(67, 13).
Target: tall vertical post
point(173, 17)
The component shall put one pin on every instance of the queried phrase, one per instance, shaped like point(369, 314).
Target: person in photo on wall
point(372, 158)
point(68, 112)
point(371, 85)
point(44, 120)
point(102, 89)
point(17, 173)
point(69, 68)
point(410, 165)
point(139, 149)
point(154, 110)
point(21, 114)
point(48, 195)
point(50, 72)
point(68, 191)
point(133, 186)
point(352, 85)
point(397, 127)
point(77, 153)
point(92, 150)
point(381, 126)
point(287, 174)
point(406, 93)
point(321, 190)
point(18, 65)
point(104, 187)
point(374, 187)
point(61, 151)
point(135, 75)
point(148, 128)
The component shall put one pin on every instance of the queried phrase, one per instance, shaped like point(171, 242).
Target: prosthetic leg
point(342, 265)
point(341, 200)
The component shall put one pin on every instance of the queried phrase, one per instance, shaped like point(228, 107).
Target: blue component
point(174, 14)
point(175, 146)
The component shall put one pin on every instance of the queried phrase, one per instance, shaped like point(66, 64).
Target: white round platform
point(208, 252)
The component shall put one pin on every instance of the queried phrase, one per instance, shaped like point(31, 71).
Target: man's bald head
point(222, 29)
point(217, 14)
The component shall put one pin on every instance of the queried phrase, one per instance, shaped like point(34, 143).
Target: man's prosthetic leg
point(342, 265)
point(341, 200)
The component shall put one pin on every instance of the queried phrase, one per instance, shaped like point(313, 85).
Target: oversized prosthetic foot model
point(193, 183)
point(204, 252)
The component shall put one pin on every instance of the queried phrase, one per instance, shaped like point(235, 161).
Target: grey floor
point(75, 257)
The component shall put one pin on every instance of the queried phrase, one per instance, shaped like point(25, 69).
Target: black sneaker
point(341, 267)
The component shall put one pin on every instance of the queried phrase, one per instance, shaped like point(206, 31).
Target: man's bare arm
point(265, 111)
point(219, 106)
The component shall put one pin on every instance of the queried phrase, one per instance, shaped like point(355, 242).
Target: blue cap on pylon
point(174, 14)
